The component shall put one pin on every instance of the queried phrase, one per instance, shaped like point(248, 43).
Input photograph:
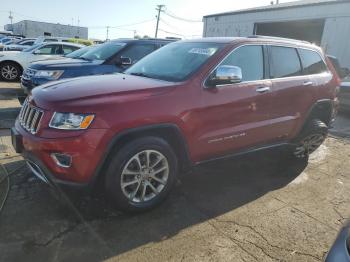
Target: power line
point(181, 18)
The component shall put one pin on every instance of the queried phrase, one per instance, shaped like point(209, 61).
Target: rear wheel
point(141, 174)
point(10, 71)
point(310, 139)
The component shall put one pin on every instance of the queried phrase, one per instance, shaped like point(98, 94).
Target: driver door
point(237, 115)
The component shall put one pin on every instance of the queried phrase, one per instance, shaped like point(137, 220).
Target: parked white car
point(13, 63)
point(46, 39)
point(20, 45)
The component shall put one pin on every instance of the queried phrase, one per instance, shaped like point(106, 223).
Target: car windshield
point(175, 62)
point(104, 51)
point(79, 52)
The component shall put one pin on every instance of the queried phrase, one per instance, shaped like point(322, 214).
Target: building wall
point(335, 38)
point(35, 29)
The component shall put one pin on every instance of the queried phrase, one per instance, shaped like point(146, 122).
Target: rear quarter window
point(285, 62)
point(312, 62)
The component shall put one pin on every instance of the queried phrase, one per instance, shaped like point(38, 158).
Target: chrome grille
point(29, 117)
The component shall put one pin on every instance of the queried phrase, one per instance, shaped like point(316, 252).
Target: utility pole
point(159, 9)
point(107, 32)
point(78, 27)
point(11, 19)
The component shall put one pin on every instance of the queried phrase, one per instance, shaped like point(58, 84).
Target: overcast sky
point(97, 14)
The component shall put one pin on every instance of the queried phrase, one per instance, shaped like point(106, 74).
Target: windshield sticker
point(202, 51)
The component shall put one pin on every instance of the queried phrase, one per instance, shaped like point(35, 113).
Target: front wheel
point(310, 139)
point(141, 174)
point(10, 72)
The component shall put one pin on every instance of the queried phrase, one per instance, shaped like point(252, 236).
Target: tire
point(10, 72)
point(124, 168)
point(310, 139)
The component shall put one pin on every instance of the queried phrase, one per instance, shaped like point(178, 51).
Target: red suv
point(187, 103)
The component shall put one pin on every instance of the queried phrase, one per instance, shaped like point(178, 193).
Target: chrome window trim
point(266, 79)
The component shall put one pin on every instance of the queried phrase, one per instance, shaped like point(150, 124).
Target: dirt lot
point(254, 208)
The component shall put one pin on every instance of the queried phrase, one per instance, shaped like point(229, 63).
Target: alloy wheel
point(9, 72)
point(309, 145)
point(144, 176)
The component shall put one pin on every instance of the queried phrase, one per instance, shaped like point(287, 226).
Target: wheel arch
point(169, 132)
point(12, 62)
point(321, 110)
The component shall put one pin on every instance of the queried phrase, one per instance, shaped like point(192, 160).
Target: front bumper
point(86, 151)
point(27, 84)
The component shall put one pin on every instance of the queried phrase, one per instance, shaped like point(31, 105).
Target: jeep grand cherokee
point(187, 103)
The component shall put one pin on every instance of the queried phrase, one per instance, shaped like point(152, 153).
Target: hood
point(63, 63)
point(9, 53)
point(94, 90)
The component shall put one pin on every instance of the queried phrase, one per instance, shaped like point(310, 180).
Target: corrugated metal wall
point(335, 38)
point(35, 29)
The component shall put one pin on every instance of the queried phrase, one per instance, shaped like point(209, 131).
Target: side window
point(50, 40)
point(284, 62)
point(312, 62)
point(68, 49)
point(250, 59)
point(136, 52)
point(50, 50)
point(29, 43)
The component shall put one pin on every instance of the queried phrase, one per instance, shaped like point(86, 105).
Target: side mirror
point(225, 75)
point(37, 52)
point(124, 61)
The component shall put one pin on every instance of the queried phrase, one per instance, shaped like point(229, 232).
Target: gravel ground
point(259, 207)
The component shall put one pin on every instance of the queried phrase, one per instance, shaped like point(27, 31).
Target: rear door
point(293, 91)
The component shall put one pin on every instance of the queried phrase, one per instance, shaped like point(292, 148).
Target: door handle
point(308, 83)
point(263, 89)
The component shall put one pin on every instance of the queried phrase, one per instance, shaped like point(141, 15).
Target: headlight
point(49, 74)
point(71, 121)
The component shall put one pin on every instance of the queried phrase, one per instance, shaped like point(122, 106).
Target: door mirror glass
point(37, 52)
point(226, 74)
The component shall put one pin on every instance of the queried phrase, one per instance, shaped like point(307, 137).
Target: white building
point(30, 28)
point(324, 22)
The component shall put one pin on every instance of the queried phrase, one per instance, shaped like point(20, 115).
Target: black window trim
point(271, 77)
point(320, 55)
point(266, 61)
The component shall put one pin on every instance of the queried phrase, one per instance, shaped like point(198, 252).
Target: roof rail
point(278, 38)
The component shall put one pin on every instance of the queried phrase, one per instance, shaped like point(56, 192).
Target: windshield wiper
point(83, 58)
point(140, 74)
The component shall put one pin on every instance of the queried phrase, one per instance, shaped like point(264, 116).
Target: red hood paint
point(89, 90)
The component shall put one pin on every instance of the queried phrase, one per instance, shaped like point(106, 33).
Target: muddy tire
point(310, 139)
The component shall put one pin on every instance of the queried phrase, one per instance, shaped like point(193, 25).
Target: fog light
point(62, 160)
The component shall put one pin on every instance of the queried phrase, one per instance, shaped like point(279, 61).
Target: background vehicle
point(111, 57)
point(20, 45)
point(187, 103)
point(340, 251)
point(12, 63)
point(45, 39)
point(344, 92)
